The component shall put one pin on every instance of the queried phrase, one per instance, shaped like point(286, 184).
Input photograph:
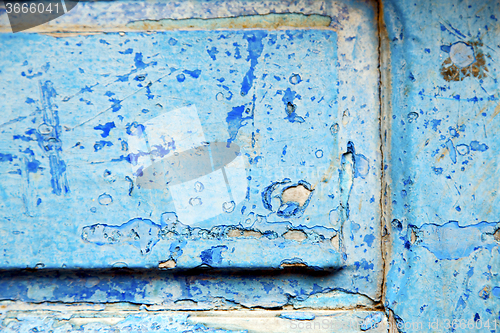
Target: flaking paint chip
point(167, 264)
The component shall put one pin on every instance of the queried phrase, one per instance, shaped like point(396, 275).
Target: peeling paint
point(295, 235)
point(442, 240)
point(267, 21)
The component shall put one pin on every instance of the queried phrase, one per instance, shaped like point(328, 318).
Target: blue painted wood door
point(172, 137)
point(140, 149)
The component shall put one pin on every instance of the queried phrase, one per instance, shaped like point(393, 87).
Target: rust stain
point(495, 113)
point(288, 265)
point(478, 69)
point(442, 155)
point(496, 235)
point(335, 241)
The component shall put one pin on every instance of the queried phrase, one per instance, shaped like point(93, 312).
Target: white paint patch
point(462, 54)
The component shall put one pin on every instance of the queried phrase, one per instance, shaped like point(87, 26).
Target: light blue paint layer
point(144, 133)
point(443, 172)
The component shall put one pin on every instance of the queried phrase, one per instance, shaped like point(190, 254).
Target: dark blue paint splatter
point(213, 256)
point(105, 128)
point(476, 146)
point(369, 239)
point(6, 157)
point(33, 166)
point(289, 209)
point(457, 32)
point(148, 92)
point(451, 148)
point(288, 98)
point(237, 54)
point(139, 64)
point(437, 171)
point(363, 264)
point(255, 47)
point(116, 106)
point(234, 120)
point(181, 77)
point(87, 89)
point(435, 123)
point(51, 144)
point(31, 76)
point(123, 78)
point(121, 158)
point(194, 74)
point(22, 137)
point(101, 144)
point(445, 48)
point(213, 52)
point(127, 51)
